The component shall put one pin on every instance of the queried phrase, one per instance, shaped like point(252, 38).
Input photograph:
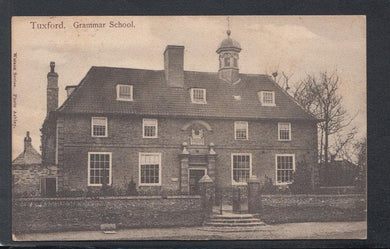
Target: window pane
point(241, 168)
point(125, 92)
point(150, 127)
point(284, 131)
point(268, 97)
point(285, 169)
point(149, 131)
point(241, 130)
point(149, 173)
point(150, 168)
point(99, 168)
point(240, 134)
point(99, 126)
point(198, 95)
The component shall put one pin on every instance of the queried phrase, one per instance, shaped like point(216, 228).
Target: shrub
point(132, 188)
point(107, 190)
point(302, 179)
point(92, 192)
point(268, 187)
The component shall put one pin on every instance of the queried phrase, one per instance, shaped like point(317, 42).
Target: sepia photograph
point(189, 127)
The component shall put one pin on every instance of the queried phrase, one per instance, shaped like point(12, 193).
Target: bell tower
point(228, 51)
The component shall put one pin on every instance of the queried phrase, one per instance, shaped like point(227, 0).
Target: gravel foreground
point(308, 230)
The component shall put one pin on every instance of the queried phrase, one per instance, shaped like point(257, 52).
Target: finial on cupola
point(228, 31)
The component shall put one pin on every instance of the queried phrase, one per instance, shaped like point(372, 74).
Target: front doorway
point(195, 174)
point(48, 186)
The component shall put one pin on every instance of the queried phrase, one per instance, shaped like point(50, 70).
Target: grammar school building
point(165, 129)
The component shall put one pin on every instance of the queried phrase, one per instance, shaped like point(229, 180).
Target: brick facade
point(125, 142)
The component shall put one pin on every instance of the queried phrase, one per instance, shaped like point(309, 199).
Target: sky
point(298, 45)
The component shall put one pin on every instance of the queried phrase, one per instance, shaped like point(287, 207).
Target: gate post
point(207, 194)
point(184, 157)
point(211, 162)
point(254, 195)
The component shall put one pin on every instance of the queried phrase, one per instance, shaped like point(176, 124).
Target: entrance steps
point(233, 222)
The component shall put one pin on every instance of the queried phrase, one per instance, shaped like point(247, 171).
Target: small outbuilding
point(29, 178)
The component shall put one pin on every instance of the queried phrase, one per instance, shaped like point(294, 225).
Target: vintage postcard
point(188, 127)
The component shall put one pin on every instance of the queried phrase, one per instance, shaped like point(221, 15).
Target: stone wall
point(313, 208)
point(26, 179)
point(72, 214)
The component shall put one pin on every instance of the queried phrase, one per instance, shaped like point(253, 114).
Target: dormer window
point(267, 98)
point(124, 92)
point(198, 95)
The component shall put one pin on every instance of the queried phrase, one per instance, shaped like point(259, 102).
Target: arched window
point(235, 63)
point(227, 61)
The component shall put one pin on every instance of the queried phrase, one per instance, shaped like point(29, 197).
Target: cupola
point(228, 59)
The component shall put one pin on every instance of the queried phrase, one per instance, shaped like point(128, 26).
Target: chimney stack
point(27, 141)
point(52, 89)
point(174, 65)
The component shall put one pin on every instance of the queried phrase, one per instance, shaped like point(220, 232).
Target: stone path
point(309, 230)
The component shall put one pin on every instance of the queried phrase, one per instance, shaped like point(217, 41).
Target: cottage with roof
point(165, 129)
point(29, 178)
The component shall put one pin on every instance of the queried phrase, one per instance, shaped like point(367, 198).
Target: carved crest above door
point(198, 129)
point(197, 137)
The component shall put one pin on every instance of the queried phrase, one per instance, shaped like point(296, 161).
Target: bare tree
point(344, 144)
point(361, 148)
point(319, 95)
point(282, 79)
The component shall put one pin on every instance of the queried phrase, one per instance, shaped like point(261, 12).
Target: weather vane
point(228, 23)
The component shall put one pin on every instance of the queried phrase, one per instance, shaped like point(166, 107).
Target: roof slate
point(28, 156)
point(96, 94)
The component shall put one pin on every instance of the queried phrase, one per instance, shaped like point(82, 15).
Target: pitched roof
point(96, 94)
point(28, 156)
